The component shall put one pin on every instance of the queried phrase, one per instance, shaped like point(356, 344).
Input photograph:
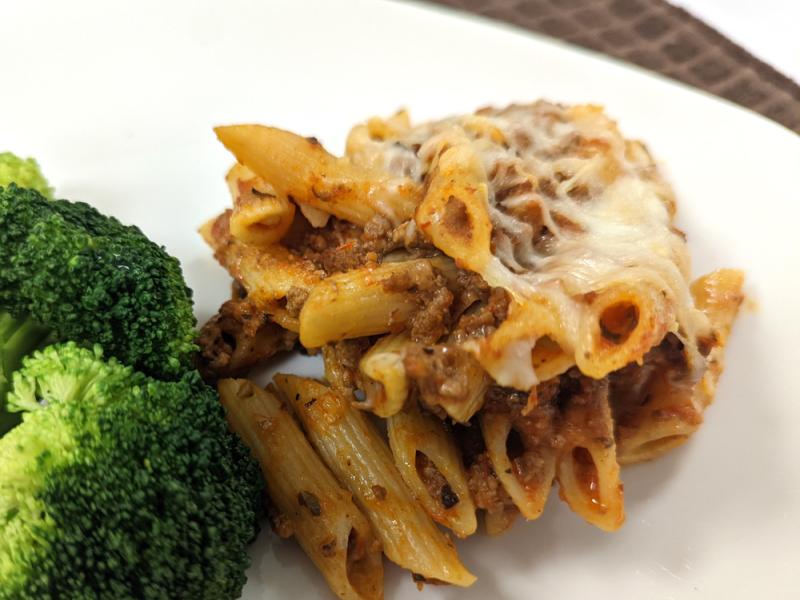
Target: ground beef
point(484, 486)
point(585, 410)
point(237, 338)
point(628, 385)
point(295, 298)
point(431, 320)
point(469, 289)
point(376, 231)
point(482, 321)
point(438, 371)
point(341, 246)
point(341, 364)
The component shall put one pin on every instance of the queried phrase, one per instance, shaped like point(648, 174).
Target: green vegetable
point(24, 172)
point(18, 337)
point(119, 486)
point(92, 280)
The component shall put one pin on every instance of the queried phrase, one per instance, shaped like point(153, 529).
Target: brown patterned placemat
point(660, 37)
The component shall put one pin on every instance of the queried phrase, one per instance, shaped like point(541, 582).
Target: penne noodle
point(670, 414)
point(260, 217)
point(586, 468)
point(267, 273)
point(359, 303)
point(384, 375)
point(430, 464)
point(528, 473)
point(538, 322)
point(332, 531)
point(674, 404)
point(621, 324)
point(302, 170)
point(462, 409)
point(454, 212)
point(360, 459)
point(364, 142)
point(719, 295)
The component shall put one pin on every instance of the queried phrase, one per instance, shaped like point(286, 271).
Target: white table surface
point(766, 28)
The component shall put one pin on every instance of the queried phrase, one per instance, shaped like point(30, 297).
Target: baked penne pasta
point(521, 450)
point(674, 401)
point(384, 375)
point(267, 273)
point(586, 468)
point(454, 212)
point(260, 217)
point(430, 464)
point(360, 459)
point(449, 380)
point(719, 295)
point(332, 531)
point(508, 289)
point(510, 354)
point(361, 302)
point(299, 168)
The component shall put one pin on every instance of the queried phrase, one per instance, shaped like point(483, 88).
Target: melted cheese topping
point(575, 208)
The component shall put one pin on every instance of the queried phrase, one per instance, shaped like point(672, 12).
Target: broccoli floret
point(94, 281)
point(18, 337)
point(24, 172)
point(119, 486)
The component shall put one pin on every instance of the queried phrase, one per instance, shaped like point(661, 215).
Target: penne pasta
point(360, 459)
point(448, 379)
point(507, 289)
point(384, 375)
point(586, 468)
point(267, 273)
point(360, 303)
point(538, 322)
point(670, 414)
point(454, 212)
point(522, 454)
point(621, 324)
point(674, 404)
point(719, 295)
point(364, 142)
point(430, 464)
point(331, 530)
point(260, 217)
point(300, 169)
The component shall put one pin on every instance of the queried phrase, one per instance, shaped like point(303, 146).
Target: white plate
point(117, 102)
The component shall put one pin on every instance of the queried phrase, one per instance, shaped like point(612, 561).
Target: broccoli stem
point(18, 338)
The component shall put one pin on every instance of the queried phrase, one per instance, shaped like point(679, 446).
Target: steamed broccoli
point(24, 172)
point(94, 281)
point(119, 486)
point(18, 337)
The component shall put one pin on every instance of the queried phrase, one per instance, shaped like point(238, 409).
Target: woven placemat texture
point(660, 37)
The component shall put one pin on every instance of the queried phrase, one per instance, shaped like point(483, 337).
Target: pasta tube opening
point(618, 321)
point(360, 564)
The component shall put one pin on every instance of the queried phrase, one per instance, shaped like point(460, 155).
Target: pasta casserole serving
point(506, 290)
